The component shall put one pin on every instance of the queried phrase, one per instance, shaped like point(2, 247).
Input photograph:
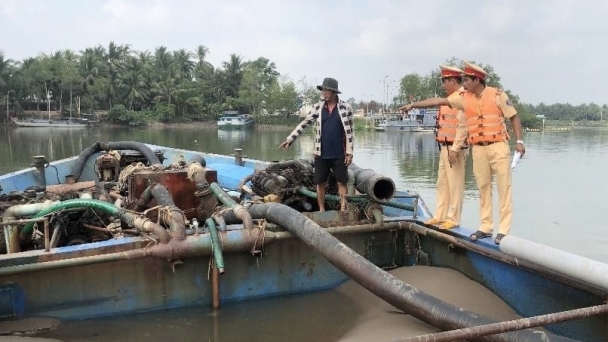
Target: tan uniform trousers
point(450, 186)
point(487, 161)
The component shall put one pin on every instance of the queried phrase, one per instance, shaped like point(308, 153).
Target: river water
point(559, 191)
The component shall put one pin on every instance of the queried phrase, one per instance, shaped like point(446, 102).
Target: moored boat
point(67, 123)
point(132, 228)
point(232, 120)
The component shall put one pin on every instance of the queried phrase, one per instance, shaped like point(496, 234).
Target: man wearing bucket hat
point(451, 138)
point(334, 140)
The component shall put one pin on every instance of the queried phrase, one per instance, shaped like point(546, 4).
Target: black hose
point(383, 284)
point(377, 186)
point(197, 158)
point(175, 220)
point(299, 164)
point(106, 146)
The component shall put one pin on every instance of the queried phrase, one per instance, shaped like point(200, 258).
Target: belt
point(485, 143)
point(446, 143)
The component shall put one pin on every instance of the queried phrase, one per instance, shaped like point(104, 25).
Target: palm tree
point(234, 74)
point(115, 58)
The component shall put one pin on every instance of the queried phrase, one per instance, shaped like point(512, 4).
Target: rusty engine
point(136, 194)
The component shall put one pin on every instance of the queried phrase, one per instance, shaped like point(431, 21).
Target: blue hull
point(287, 266)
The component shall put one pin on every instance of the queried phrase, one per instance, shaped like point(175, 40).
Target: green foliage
point(121, 115)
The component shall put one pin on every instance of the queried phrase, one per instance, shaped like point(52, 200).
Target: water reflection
point(234, 137)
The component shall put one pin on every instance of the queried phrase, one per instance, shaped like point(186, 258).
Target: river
point(559, 188)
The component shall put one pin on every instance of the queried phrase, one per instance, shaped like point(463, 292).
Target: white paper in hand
point(516, 158)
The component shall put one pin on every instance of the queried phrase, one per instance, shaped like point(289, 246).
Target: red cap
point(474, 70)
point(448, 71)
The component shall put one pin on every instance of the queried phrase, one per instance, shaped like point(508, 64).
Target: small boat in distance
point(71, 123)
point(233, 120)
point(417, 120)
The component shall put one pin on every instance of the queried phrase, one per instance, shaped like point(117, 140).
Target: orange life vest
point(447, 121)
point(485, 120)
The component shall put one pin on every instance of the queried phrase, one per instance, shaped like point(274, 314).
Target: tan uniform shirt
point(461, 129)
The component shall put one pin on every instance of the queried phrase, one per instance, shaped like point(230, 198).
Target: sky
point(550, 51)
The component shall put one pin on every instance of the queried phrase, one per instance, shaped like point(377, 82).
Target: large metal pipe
point(106, 146)
point(377, 186)
point(516, 324)
point(567, 264)
point(233, 241)
point(383, 284)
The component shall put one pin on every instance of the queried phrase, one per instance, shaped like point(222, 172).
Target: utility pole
point(384, 83)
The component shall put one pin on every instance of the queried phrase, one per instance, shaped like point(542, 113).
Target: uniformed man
point(485, 109)
point(451, 138)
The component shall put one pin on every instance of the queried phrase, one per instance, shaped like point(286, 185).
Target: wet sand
point(347, 313)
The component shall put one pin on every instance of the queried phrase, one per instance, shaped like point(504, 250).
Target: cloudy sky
point(545, 51)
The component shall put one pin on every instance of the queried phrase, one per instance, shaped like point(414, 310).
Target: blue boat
point(127, 227)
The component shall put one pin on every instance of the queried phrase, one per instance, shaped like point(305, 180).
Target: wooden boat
point(68, 123)
point(133, 227)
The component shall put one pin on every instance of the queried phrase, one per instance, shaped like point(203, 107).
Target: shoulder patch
point(498, 91)
point(509, 103)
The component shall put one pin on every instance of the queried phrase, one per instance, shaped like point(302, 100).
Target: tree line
point(136, 87)
point(139, 86)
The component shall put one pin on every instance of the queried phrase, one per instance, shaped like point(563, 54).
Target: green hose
point(69, 204)
point(222, 195)
point(215, 245)
point(238, 209)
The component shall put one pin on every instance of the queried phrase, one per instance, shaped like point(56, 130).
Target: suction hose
point(377, 186)
point(106, 146)
point(383, 284)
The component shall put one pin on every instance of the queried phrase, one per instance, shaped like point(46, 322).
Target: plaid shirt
point(346, 114)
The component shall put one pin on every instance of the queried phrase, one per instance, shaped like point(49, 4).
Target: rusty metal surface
point(333, 218)
point(62, 189)
point(182, 189)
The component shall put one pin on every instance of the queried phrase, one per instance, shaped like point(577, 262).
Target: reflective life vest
point(485, 120)
point(447, 121)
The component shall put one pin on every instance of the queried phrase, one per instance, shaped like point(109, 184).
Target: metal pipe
point(238, 209)
point(587, 270)
point(39, 173)
point(500, 256)
point(47, 242)
point(517, 324)
point(215, 284)
point(56, 232)
point(238, 156)
point(234, 241)
point(216, 245)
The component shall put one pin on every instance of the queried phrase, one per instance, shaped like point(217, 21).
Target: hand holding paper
point(516, 158)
